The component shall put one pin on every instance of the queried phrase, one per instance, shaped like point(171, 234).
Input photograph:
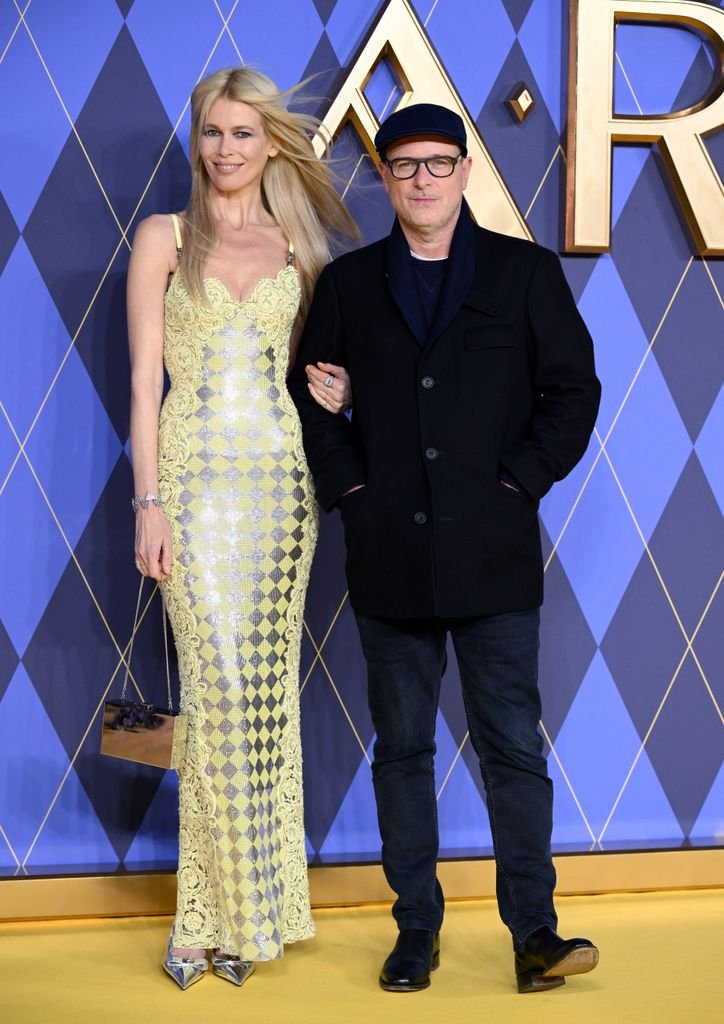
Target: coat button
point(420, 518)
point(431, 453)
point(427, 382)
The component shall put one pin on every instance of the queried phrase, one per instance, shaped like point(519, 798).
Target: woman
point(225, 516)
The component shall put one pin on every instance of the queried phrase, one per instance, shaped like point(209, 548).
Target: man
point(474, 391)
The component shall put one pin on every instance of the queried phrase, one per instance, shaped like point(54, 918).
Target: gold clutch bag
point(142, 732)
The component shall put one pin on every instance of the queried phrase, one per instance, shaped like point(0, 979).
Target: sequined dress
point(237, 491)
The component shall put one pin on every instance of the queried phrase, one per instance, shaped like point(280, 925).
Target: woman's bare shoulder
point(156, 230)
point(154, 244)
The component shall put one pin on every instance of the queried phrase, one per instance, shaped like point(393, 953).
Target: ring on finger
point(329, 380)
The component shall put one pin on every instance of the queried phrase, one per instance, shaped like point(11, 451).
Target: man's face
point(426, 203)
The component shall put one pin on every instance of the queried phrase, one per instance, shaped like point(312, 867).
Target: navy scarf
point(456, 284)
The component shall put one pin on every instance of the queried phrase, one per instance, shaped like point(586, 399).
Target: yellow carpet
point(661, 963)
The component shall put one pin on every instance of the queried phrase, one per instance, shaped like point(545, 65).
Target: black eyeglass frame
point(417, 161)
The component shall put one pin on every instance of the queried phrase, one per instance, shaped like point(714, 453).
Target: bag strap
point(165, 646)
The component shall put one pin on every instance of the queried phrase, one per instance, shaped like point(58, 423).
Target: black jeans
point(498, 661)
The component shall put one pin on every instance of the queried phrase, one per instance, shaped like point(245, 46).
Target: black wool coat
point(504, 384)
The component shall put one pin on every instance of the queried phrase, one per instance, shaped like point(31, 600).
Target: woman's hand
point(330, 386)
point(153, 543)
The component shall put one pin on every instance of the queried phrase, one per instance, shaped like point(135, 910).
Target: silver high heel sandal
point(185, 970)
point(231, 968)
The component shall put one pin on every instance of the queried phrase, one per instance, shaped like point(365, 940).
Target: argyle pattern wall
point(95, 127)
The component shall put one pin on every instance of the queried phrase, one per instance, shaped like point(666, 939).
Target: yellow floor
point(661, 963)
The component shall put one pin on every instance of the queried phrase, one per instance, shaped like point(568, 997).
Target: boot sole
point(578, 961)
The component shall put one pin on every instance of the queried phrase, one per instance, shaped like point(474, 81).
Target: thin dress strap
point(177, 232)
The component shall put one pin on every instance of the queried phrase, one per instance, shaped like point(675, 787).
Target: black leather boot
point(407, 968)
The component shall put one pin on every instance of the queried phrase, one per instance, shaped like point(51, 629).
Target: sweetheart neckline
point(250, 296)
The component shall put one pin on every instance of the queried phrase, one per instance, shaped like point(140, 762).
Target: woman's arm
point(332, 447)
point(152, 260)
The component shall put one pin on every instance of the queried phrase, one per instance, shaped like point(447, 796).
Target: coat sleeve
point(333, 454)
point(566, 389)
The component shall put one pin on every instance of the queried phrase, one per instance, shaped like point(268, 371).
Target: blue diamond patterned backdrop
point(95, 136)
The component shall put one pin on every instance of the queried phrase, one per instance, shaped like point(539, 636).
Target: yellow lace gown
point(237, 491)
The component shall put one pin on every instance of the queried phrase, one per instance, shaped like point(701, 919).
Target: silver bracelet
point(143, 502)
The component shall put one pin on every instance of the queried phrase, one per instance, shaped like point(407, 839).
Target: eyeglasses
point(405, 167)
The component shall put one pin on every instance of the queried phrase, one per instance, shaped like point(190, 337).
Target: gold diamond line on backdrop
point(636, 374)
point(549, 168)
point(602, 451)
point(430, 14)
point(3, 410)
point(14, 31)
point(618, 414)
point(713, 282)
point(332, 683)
point(21, 445)
point(628, 83)
point(646, 547)
point(122, 231)
point(73, 557)
point(688, 640)
point(354, 172)
point(704, 259)
point(564, 773)
point(454, 761)
point(67, 114)
point(643, 360)
point(94, 599)
point(565, 776)
point(694, 655)
point(121, 663)
point(554, 752)
point(326, 636)
point(174, 130)
point(318, 648)
point(9, 846)
point(688, 650)
point(124, 238)
point(226, 27)
point(122, 654)
point(366, 155)
point(22, 450)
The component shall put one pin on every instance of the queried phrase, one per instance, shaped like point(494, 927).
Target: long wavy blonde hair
point(297, 187)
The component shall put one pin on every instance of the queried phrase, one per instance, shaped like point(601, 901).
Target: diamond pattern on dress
point(243, 578)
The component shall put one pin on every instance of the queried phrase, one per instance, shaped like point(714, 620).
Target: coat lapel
point(459, 274)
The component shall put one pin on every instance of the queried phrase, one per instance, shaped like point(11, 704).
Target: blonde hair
point(297, 187)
